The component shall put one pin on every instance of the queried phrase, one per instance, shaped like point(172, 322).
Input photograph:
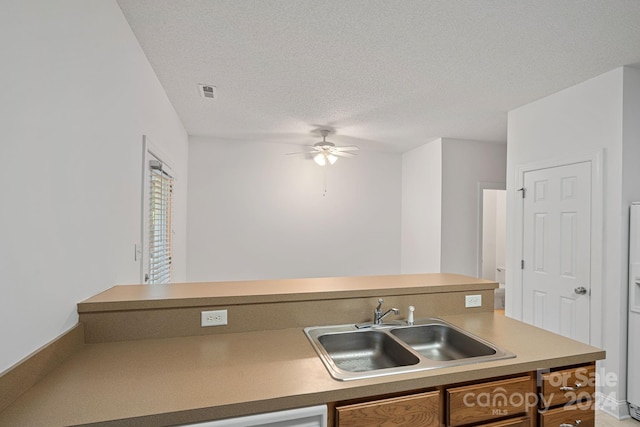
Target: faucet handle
point(380, 301)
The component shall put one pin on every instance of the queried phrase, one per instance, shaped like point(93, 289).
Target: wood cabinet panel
point(568, 385)
point(491, 400)
point(511, 422)
point(570, 415)
point(418, 410)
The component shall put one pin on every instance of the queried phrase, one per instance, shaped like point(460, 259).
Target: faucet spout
point(388, 312)
point(378, 315)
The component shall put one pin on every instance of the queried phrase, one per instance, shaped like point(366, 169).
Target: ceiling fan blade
point(347, 148)
point(343, 154)
point(301, 152)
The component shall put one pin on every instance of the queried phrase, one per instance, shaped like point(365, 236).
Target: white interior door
point(556, 249)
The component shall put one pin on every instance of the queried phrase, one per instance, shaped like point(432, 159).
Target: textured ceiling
point(384, 74)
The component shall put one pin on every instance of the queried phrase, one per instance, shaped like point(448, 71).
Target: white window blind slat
point(160, 224)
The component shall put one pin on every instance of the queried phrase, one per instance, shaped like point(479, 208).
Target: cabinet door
point(566, 416)
point(491, 400)
point(511, 422)
point(417, 410)
point(568, 385)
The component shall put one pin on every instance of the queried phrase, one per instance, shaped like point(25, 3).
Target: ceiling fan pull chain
point(324, 173)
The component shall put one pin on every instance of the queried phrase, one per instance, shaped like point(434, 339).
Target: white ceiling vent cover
point(207, 91)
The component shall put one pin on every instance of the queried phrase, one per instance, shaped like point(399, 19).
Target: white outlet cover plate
point(472, 301)
point(213, 318)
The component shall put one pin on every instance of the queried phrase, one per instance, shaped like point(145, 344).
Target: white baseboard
point(616, 408)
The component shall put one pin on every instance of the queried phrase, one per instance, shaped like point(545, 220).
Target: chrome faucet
point(378, 315)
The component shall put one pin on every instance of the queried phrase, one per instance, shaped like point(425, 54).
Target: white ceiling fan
point(326, 152)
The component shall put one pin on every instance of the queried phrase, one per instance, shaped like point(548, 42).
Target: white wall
point(422, 208)
point(256, 213)
point(441, 203)
point(77, 96)
point(465, 165)
point(579, 122)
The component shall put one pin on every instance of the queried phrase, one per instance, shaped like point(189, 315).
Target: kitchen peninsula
point(144, 359)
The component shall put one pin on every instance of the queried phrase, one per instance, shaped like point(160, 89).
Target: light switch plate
point(472, 301)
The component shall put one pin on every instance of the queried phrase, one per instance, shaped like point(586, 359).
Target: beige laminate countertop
point(135, 297)
point(180, 380)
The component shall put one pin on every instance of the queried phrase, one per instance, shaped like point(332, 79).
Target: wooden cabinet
point(491, 400)
point(567, 416)
point(497, 402)
point(566, 397)
point(417, 410)
point(567, 385)
point(511, 422)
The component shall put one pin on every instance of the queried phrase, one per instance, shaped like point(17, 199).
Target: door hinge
point(524, 191)
point(521, 264)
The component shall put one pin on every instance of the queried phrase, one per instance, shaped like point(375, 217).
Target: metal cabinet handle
point(574, 388)
point(580, 290)
point(577, 422)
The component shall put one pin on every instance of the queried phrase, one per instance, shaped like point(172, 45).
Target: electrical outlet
point(213, 318)
point(472, 301)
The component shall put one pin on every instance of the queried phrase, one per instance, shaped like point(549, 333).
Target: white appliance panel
point(633, 357)
point(313, 416)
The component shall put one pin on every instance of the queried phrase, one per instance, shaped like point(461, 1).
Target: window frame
point(151, 153)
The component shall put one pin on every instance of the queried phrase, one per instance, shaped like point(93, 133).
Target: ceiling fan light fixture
point(323, 158)
point(325, 152)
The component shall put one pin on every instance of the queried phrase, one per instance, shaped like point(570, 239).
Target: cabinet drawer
point(417, 410)
point(511, 422)
point(487, 401)
point(569, 385)
point(567, 416)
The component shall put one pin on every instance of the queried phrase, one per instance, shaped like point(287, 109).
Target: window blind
point(160, 226)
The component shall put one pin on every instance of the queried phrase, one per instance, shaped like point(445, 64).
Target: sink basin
point(442, 342)
point(366, 351)
point(351, 352)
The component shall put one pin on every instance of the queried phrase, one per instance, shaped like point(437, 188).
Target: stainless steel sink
point(364, 351)
point(442, 342)
point(351, 353)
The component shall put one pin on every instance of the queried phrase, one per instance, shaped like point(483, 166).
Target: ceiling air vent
point(207, 91)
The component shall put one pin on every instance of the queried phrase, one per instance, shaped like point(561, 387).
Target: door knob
point(580, 290)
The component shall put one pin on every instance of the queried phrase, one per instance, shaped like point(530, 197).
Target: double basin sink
point(350, 352)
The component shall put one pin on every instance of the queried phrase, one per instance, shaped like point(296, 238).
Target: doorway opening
point(493, 260)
